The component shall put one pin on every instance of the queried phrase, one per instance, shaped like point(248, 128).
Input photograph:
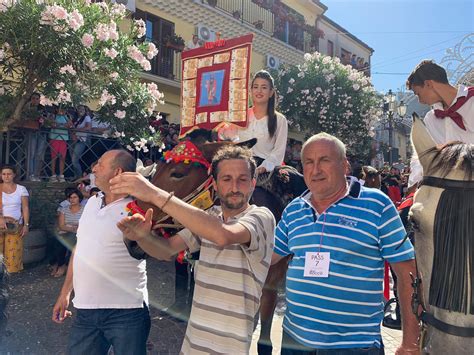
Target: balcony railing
point(247, 11)
point(167, 63)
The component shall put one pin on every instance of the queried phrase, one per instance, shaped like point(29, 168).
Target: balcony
point(272, 18)
point(167, 64)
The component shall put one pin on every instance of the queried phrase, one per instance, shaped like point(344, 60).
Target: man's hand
point(136, 227)
point(133, 184)
point(60, 311)
point(403, 350)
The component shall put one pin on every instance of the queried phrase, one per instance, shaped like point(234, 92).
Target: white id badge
point(316, 264)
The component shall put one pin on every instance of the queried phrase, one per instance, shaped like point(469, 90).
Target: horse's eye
point(177, 175)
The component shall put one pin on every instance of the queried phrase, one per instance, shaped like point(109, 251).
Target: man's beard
point(225, 201)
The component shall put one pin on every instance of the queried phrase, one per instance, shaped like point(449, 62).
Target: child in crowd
point(58, 138)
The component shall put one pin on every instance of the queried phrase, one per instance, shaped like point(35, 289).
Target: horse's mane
point(453, 241)
point(452, 155)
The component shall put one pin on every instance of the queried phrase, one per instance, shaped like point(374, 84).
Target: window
point(157, 30)
point(330, 49)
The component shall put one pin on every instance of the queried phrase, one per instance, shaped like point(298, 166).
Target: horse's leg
point(275, 277)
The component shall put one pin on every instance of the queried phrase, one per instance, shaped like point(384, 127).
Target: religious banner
point(214, 88)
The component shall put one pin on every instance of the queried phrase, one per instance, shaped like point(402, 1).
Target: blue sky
point(403, 32)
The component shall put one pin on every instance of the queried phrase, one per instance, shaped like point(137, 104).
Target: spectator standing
point(354, 61)
point(58, 138)
point(110, 286)
point(193, 43)
point(14, 220)
point(35, 114)
point(339, 236)
point(82, 125)
point(235, 243)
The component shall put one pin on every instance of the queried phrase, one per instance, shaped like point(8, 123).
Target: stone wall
point(44, 201)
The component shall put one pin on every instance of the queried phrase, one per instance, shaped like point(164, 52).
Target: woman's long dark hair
point(271, 112)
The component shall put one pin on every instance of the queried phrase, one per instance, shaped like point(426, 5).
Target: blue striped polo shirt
point(360, 231)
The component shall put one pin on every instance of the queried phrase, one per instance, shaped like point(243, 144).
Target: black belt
point(445, 327)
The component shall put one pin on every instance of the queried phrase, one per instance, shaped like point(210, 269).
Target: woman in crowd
point(14, 220)
point(81, 125)
point(68, 221)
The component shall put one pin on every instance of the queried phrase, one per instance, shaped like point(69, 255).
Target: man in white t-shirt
point(452, 115)
point(110, 286)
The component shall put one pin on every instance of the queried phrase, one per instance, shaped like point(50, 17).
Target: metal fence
point(29, 151)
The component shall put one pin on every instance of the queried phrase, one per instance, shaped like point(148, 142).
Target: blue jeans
point(76, 154)
point(95, 330)
point(37, 148)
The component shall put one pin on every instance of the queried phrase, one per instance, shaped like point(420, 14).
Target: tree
point(72, 52)
point(323, 95)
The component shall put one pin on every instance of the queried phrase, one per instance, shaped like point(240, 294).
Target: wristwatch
point(27, 224)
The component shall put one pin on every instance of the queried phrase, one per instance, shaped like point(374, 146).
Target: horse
point(190, 179)
point(443, 220)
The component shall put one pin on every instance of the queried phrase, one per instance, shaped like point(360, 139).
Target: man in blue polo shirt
point(340, 234)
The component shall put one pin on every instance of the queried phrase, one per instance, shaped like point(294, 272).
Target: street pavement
point(33, 294)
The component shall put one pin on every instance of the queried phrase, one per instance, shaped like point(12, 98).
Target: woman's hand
point(3, 224)
point(24, 230)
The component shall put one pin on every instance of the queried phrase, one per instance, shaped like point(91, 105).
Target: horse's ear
point(210, 148)
point(420, 137)
point(248, 144)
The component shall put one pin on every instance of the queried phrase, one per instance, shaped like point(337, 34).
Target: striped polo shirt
point(229, 282)
point(360, 231)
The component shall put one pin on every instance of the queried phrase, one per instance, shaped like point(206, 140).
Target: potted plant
point(258, 24)
point(212, 3)
point(175, 42)
point(236, 14)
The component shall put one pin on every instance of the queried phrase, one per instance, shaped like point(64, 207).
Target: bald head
point(124, 160)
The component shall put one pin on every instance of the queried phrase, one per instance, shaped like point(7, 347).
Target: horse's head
point(185, 168)
point(443, 214)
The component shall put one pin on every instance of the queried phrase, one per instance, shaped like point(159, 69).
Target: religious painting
point(215, 83)
point(211, 88)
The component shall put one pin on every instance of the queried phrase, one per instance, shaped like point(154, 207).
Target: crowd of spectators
point(66, 131)
point(356, 62)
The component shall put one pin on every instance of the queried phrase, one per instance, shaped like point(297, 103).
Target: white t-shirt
point(105, 275)
point(12, 203)
point(445, 130)
point(272, 150)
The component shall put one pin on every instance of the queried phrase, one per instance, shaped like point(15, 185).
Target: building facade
point(283, 31)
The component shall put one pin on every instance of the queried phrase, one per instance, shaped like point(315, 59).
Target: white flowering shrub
point(72, 52)
point(323, 95)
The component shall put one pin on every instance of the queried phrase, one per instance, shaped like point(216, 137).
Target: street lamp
point(391, 106)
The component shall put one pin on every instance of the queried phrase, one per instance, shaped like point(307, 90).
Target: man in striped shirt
point(340, 234)
point(236, 243)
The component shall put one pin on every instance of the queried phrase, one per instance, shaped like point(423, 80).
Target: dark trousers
point(289, 346)
point(94, 331)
